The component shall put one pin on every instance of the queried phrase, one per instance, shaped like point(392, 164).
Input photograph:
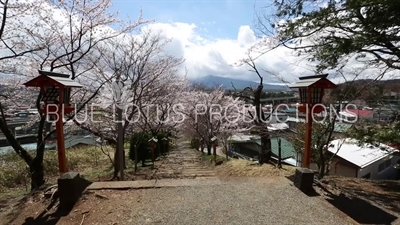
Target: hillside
point(367, 89)
point(385, 83)
point(212, 81)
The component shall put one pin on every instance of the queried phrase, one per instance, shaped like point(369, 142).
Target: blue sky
point(225, 32)
point(215, 48)
point(215, 19)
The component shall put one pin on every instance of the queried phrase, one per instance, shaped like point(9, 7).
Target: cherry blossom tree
point(208, 114)
point(137, 74)
point(161, 112)
point(16, 32)
point(65, 43)
point(259, 115)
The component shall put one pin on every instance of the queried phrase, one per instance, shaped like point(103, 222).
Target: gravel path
point(256, 201)
point(252, 201)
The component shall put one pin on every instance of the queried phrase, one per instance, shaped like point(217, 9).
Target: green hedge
point(141, 140)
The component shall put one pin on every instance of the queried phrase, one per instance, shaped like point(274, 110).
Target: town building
point(355, 159)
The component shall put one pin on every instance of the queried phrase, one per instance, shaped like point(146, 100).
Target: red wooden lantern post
point(311, 90)
point(153, 145)
point(215, 144)
point(55, 90)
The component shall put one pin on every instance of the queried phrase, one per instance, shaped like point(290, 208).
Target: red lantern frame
point(53, 86)
point(311, 90)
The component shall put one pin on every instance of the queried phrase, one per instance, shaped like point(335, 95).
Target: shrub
point(160, 136)
point(140, 140)
point(194, 143)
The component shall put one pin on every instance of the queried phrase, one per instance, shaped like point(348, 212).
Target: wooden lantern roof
point(314, 81)
point(52, 79)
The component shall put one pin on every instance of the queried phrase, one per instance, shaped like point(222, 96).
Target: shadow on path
point(47, 218)
point(386, 193)
point(360, 210)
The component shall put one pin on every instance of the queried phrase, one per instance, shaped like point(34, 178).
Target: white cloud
point(246, 36)
point(216, 57)
point(206, 56)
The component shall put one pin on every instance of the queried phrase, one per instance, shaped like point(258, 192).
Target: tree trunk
point(279, 154)
point(197, 144)
point(260, 117)
point(37, 174)
point(265, 155)
point(124, 159)
point(209, 149)
point(202, 148)
point(226, 152)
point(321, 167)
point(328, 168)
point(136, 157)
point(116, 163)
point(36, 167)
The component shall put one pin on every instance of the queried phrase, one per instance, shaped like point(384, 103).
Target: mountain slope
point(212, 81)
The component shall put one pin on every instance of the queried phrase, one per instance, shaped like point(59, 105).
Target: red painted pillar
point(62, 159)
point(308, 134)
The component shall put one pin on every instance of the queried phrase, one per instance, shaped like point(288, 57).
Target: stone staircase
point(183, 162)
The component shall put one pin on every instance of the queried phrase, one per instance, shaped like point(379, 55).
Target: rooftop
point(348, 114)
point(277, 126)
point(339, 126)
point(359, 112)
point(358, 154)
point(60, 79)
point(242, 137)
point(310, 81)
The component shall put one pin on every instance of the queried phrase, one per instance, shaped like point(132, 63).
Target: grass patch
point(244, 168)
point(91, 162)
point(211, 157)
point(127, 145)
point(19, 191)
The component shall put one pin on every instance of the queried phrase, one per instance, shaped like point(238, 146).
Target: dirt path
point(183, 162)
